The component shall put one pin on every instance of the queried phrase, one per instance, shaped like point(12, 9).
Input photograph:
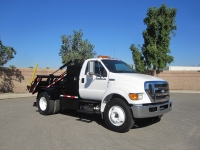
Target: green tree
point(12, 67)
point(138, 59)
point(74, 47)
point(160, 26)
point(6, 53)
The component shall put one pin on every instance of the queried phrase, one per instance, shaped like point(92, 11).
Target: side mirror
point(91, 68)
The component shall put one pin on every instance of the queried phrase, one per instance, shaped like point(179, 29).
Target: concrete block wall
point(16, 80)
point(182, 80)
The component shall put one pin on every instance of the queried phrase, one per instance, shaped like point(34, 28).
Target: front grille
point(158, 91)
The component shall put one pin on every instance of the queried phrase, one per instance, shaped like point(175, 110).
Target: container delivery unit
point(105, 86)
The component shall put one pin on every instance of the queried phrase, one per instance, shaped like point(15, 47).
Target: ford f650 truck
point(106, 86)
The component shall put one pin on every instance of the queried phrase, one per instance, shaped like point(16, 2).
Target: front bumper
point(151, 110)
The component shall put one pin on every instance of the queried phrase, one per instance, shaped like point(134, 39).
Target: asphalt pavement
point(22, 127)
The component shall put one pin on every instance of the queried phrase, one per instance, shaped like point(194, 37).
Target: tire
point(45, 106)
point(117, 116)
point(56, 106)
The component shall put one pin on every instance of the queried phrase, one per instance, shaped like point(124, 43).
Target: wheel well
point(42, 90)
point(114, 95)
point(120, 97)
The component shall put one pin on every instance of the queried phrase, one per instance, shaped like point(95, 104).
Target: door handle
point(82, 80)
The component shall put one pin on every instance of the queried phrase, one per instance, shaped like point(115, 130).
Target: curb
point(12, 95)
point(184, 91)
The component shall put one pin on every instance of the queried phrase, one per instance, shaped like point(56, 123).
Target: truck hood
point(133, 77)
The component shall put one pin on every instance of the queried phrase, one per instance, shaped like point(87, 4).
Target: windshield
point(117, 66)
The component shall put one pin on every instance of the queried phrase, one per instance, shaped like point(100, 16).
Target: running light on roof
point(101, 56)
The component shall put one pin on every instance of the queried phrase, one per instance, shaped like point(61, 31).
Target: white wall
point(182, 68)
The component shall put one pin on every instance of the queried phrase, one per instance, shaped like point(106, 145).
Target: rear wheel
point(45, 106)
point(118, 116)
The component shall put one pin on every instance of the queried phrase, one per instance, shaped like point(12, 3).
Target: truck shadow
point(88, 118)
point(8, 76)
point(84, 117)
point(141, 123)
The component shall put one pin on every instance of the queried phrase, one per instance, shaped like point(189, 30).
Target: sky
point(34, 27)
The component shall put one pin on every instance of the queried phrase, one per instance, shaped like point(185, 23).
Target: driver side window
point(99, 69)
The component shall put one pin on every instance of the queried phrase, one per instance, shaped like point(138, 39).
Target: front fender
point(122, 90)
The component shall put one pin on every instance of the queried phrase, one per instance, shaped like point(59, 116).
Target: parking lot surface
point(23, 128)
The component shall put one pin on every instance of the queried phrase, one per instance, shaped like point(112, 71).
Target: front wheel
point(118, 116)
point(45, 106)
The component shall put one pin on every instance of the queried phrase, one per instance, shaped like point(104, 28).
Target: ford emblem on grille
point(163, 91)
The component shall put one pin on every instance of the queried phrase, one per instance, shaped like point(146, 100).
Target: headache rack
point(48, 81)
point(45, 81)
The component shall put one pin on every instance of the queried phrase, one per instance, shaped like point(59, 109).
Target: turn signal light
point(135, 96)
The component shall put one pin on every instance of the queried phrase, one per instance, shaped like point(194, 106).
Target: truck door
point(93, 86)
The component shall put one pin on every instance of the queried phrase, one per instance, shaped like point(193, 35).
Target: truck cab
point(109, 87)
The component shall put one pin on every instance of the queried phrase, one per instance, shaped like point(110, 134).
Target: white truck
point(106, 86)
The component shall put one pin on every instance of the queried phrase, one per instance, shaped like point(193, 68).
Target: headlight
point(135, 96)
